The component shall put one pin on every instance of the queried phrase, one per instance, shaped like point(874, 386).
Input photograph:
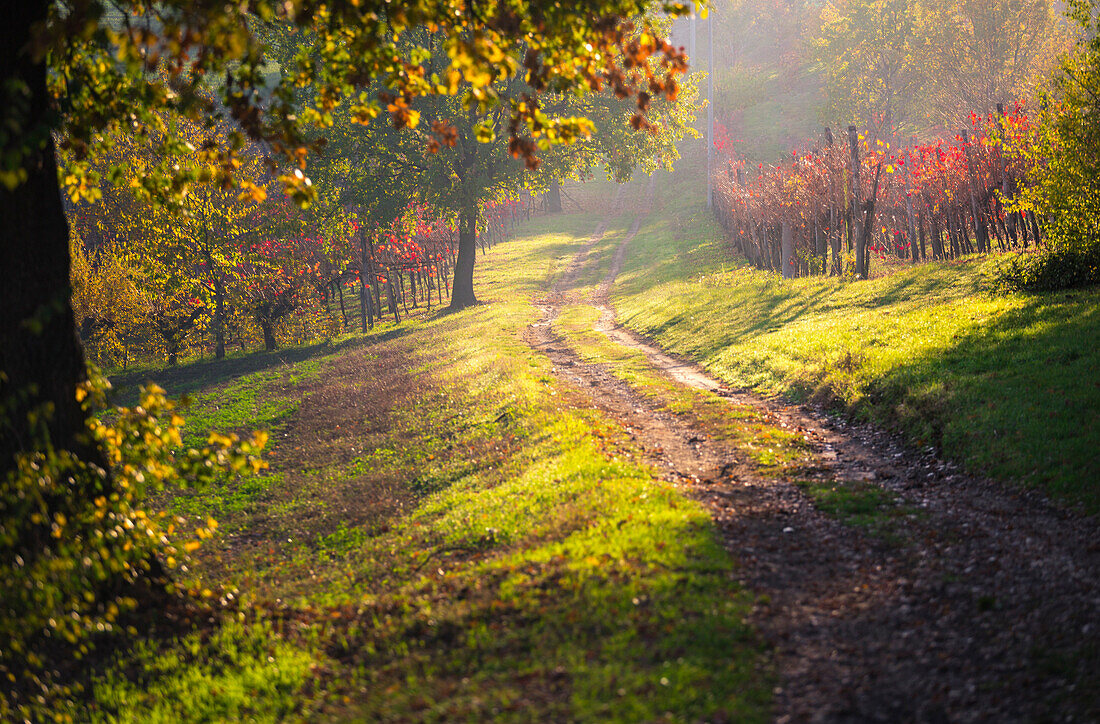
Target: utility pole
point(710, 108)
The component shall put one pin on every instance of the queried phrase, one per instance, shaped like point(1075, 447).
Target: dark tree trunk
point(219, 318)
point(553, 198)
point(269, 335)
point(41, 360)
point(365, 302)
point(462, 292)
point(391, 297)
point(343, 309)
point(374, 281)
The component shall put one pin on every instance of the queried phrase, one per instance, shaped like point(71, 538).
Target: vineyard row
point(830, 209)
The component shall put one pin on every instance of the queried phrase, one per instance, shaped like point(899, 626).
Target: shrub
point(1064, 189)
point(76, 549)
point(1057, 267)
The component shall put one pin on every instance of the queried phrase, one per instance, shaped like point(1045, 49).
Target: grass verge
point(1009, 385)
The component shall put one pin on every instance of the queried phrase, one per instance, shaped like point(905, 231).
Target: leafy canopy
point(125, 65)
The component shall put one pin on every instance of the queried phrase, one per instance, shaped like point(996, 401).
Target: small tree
point(1064, 189)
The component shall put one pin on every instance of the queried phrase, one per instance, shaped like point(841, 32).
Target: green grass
point(1008, 385)
point(481, 545)
point(861, 504)
point(237, 673)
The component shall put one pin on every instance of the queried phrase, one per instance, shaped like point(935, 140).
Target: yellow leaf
point(219, 440)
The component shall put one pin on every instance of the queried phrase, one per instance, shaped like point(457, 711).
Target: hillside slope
point(1009, 386)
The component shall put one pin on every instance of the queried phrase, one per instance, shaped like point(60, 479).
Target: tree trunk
point(219, 318)
point(863, 252)
point(462, 292)
point(366, 316)
point(269, 335)
point(553, 198)
point(343, 309)
point(391, 296)
point(786, 251)
point(41, 360)
point(855, 231)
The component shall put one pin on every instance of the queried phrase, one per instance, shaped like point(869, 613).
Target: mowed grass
point(448, 534)
point(1010, 385)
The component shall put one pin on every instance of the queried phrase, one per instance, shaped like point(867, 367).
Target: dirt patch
point(982, 603)
point(322, 484)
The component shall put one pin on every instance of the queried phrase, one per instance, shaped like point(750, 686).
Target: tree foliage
point(871, 55)
point(903, 66)
point(1065, 182)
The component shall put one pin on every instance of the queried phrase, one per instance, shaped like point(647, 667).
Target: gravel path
point(982, 604)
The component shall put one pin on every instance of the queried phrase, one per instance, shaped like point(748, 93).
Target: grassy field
point(1010, 386)
point(445, 534)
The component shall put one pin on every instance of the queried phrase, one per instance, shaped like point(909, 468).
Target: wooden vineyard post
point(914, 252)
point(786, 250)
point(821, 248)
point(921, 233)
point(933, 224)
point(374, 280)
point(853, 197)
point(742, 233)
point(834, 216)
point(981, 235)
point(366, 311)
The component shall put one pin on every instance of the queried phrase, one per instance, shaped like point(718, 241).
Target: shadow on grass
point(1017, 397)
point(193, 377)
point(915, 283)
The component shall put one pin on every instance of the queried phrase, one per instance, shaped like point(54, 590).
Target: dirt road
point(980, 603)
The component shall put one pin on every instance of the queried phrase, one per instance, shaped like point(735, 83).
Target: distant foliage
point(902, 66)
point(221, 269)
